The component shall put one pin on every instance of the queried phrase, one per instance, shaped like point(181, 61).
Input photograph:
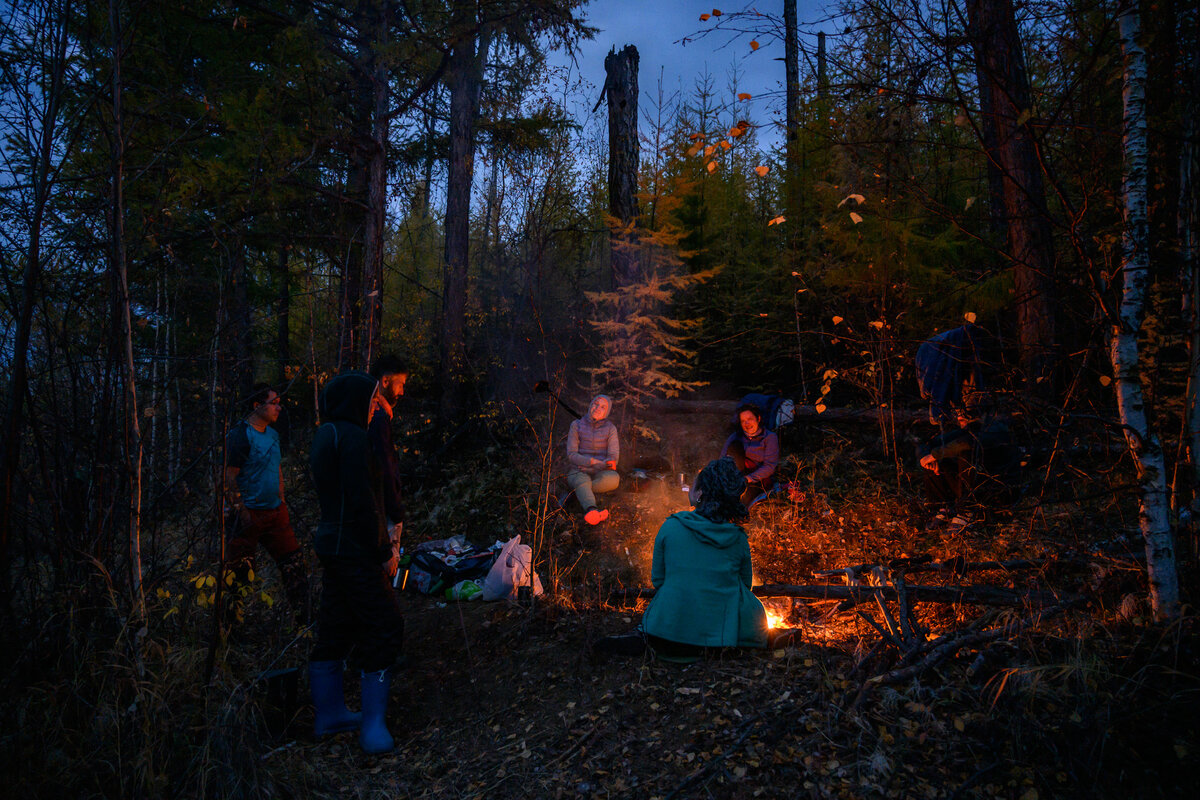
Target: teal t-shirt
point(257, 455)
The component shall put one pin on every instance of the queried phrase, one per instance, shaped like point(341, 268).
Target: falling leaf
point(743, 95)
point(969, 317)
point(855, 218)
point(970, 202)
point(858, 198)
point(777, 221)
point(877, 325)
point(753, 45)
point(712, 166)
point(1105, 380)
point(762, 170)
point(725, 144)
point(704, 17)
point(820, 408)
point(837, 320)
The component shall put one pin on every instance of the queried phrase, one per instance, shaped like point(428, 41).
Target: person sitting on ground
point(359, 613)
point(755, 451)
point(702, 573)
point(969, 466)
point(593, 450)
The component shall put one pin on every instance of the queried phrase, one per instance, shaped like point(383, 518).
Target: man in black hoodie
point(359, 610)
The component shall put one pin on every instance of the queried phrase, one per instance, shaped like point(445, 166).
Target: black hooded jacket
point(346, 473)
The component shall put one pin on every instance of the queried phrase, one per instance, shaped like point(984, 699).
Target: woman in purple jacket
point(755, 450)
point(593, 450)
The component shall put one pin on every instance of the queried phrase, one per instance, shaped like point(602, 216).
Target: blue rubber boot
point(374, 736)
point(329, 700)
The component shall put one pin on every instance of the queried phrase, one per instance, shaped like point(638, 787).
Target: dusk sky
point(669, 36)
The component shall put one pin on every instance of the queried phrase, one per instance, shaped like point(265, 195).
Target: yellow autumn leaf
point(877, 325)
point(753, 45)
point(716, 12)
point(820, 408)
point(743, 95)
point(970, 202)
point(691, 151)
point(708, 151)
point(837, 320)
point(777, 221)
point(697, 136)
point(735, 132)
point(704, 17)
point(858, 198)
point(1105, 380)
point(725, 144)
point(969, 317)
point(855, 218)
point(762, 170)
point(712, 166)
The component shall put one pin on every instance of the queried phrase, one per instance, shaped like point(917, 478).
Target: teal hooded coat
point(702, 575)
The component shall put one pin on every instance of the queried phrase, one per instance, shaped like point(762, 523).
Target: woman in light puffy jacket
point(593, 450)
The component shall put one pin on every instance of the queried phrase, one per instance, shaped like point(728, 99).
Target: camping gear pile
point(458, 570)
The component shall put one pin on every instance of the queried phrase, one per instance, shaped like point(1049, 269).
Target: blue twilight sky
point(674, 44)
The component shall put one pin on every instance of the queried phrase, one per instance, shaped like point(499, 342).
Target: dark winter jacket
point(702, 574)
point(347, 474)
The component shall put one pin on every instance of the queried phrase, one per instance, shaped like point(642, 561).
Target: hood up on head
point(348, 398)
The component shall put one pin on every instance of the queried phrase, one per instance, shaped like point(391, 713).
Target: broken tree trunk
point(621, 87)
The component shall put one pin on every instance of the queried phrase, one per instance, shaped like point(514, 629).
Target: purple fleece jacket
point(762, 452)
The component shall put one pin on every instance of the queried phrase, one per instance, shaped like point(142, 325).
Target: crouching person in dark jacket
point(359, 611)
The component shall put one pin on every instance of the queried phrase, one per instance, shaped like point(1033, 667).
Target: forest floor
point(497, 700)
point(502, 701)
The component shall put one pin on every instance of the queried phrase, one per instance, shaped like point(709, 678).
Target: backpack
point(777, 410)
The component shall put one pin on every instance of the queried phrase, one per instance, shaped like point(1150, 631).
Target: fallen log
point(970, 595)
point(806, 412)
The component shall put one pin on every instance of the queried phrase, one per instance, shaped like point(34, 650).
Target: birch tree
point(1144, 444)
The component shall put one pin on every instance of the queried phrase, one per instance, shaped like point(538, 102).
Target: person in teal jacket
point(702, 574)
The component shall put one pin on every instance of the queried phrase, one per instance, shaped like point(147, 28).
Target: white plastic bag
point(512, 569)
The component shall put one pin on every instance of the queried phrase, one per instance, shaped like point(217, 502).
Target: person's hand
point(611, 465)
point(393, 564)
point(930, 463)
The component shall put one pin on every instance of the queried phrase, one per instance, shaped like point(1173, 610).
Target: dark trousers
point(946, 486)
point(359, 613)
point(272, 528)
point(745, 466)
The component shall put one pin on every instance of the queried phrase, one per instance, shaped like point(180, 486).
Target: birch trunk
point(1143, 443)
